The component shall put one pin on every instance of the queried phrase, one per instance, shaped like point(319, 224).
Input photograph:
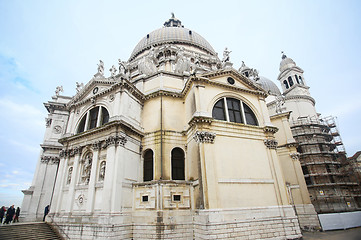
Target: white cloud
point(16, 109)
point(24, 146)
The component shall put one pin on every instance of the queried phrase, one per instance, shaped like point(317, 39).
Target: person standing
point(9, 214)
point(46, 211)
point(2, 213)
point(17, 213)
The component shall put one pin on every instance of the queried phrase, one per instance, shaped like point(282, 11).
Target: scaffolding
point(322, 157)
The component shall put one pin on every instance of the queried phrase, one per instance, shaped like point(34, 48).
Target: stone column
point(73, 182)
point(58, 190)
point(117, 186)
point(207, 168)
point(109, 176)
point(93, 175)
point(276, 171)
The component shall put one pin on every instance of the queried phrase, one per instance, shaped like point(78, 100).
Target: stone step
point(35, 231)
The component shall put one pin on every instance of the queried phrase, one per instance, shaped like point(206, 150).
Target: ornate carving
point(102, 170)
point(270, 129)
point(57, 129)
point(182, 62)
point(115, 140)
point(49, 159)
point(80, 199)
point(97, 145)
point(271, 143)
point(147, 65)
point(204, 137)
point(295, 156)
point(48, 122)
point(111, 97)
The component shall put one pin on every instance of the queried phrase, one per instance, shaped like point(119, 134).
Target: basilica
point(177, 143)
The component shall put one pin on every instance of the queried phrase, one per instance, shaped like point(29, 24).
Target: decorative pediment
point(99, 87)
point(240, 81)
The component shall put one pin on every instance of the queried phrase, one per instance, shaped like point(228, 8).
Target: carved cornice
point(49, 159)
point(301, 97)
point(125, 125)
point(200, 120)
point(270, 129)
point(204, 137)
point(96, 145)
point(271, 143)
point(52, 106)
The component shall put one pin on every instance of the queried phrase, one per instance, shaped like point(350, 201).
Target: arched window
point(297, 79)
point(148, 166)
point(301, 82)
point(286, 84)
point(178, 164)
point(96, 117)
point(290, 81)
point(234, 110)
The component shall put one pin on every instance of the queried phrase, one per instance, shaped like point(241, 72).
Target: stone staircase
point(35, 230)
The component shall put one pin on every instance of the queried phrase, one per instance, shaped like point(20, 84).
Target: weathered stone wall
point(244, 223)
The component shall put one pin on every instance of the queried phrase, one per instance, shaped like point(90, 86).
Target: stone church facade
point(174, 144)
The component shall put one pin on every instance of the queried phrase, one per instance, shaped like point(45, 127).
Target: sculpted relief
point(147, 65)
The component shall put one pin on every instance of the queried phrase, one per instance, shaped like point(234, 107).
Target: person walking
point(2, 213)
point(9, 214)
point(46, 211)
point(17, 213)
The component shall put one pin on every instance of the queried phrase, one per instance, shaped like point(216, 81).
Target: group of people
point(10, 214)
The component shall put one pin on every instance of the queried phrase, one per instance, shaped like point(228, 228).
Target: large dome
point(172, 32)
point(268, 85)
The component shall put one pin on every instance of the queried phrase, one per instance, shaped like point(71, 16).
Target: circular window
point(230, 80)
point(95, 90)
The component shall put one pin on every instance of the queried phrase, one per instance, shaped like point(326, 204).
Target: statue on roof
point(58, 89)
point(113, 71)
point(101, 68)
point(122, 66)
point(182, 62)
point(283, 55)
point(226, 53)
point(79, 86)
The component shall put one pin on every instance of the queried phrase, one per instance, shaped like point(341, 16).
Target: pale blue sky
point(44, 44)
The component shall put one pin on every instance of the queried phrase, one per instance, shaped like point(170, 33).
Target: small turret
point(290, 74)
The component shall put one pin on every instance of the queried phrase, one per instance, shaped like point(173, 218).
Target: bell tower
point(297, 96)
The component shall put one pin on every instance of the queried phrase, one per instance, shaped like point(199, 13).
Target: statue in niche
point(226, 53)
point(113, 71)
point(102, 171)
point(70, 172)
point(182, 62)
point(101, 68)
point(147, 65)
point(87, 168)
point(58, 89)
point(79, 86)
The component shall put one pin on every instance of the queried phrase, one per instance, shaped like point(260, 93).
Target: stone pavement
point(349, 234)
